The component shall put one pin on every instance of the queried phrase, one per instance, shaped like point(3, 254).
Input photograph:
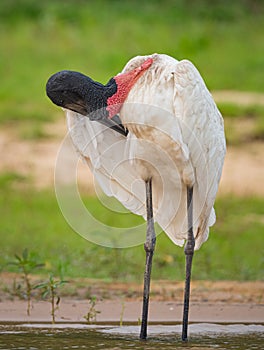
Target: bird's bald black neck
point(96, 96)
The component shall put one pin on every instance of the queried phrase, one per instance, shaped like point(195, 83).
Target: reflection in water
point(203, 337)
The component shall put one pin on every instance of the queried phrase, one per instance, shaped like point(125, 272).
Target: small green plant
point(26, 264)
point(50, 290)
point(92, 312)
point(122, 314)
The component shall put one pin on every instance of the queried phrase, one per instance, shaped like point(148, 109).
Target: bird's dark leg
point(149, 248)
point(188, 250)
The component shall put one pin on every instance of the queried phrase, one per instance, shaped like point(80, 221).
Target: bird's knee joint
point(189, 247)
point(149, 245)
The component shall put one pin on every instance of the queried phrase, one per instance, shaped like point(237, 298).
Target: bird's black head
point(77, 92)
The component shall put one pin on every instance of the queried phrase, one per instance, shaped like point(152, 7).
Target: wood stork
point(173, 136)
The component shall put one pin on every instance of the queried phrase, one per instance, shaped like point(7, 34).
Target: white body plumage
point(176, 137)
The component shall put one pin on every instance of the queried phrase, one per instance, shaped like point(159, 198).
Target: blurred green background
point(225, 40)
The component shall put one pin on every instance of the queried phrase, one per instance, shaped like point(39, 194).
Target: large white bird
point(159, 131)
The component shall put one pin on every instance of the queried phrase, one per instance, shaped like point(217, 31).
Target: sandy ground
point(238, 97)
point(221, 301)
point(73, 311)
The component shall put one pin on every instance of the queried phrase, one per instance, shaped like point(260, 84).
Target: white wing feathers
point(203, 132)
point(104, 151)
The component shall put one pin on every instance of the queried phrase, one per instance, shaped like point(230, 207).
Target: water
point(202, 337)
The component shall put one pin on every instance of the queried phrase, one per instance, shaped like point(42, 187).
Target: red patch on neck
point(125, 83)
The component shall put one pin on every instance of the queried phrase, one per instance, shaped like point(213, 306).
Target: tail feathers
point(178, 235)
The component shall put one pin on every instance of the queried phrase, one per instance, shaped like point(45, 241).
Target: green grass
point(224, 39)
point(32, 220)
point(232, 110)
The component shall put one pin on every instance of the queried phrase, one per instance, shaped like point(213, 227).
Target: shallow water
point(201, 337)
